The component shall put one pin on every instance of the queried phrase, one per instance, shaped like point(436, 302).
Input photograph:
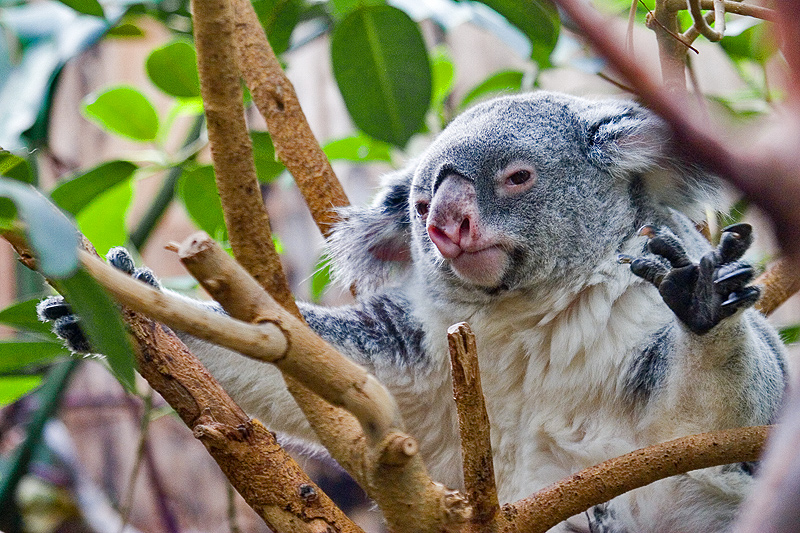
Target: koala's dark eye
point(422, 209)
point(519, 177)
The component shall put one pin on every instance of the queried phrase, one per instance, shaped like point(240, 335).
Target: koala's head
point(518, 192)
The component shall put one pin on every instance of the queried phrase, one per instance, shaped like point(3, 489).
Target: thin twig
point(732, 7)
point(653, 19)
point(700, 24)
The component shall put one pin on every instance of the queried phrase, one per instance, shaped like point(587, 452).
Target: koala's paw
point(700, 294)
point(66, 325)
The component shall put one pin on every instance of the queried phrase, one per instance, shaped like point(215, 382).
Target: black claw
point(743, 298)
point(121, 259)
point(740, 231)
point(737, 277)
point(735, 241)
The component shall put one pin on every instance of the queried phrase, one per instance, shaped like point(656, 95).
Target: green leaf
point(505, 81)
point(126, 30)
point(267, 165)
point(537, 19)
point(278, 18)
point(16, 355)
point(87, 7)
point(13, 388)
point(790, 334)
point(78, 191)
point(341, 8)
point(22, 316)
point(52, 237)
point(321, 278)
point(102, 221)
point(383, 72)
point(198, 191)
point(360, 148)
point(173, 69)
point(443, 76)
point(125, 111)
point(101, 321)
point(756, 43)
point(735, 214)
point(15, 167)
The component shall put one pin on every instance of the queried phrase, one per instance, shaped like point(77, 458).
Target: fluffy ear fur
point(629, 141)
point(372, 243)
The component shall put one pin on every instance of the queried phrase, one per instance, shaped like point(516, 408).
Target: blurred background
point(100, 109)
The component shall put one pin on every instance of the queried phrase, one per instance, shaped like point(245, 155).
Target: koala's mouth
point(483, 267)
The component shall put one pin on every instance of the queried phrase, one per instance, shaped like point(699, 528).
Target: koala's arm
point(718, 364)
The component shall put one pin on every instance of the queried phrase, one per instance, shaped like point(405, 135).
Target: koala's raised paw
point(66, 325)
point(700, 294)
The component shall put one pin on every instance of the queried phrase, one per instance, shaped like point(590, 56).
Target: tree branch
point(732, 7)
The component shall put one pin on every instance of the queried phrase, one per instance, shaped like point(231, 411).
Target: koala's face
point(511, 195)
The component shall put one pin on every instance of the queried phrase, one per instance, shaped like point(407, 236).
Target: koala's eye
point(422, 208)
point(519, 177)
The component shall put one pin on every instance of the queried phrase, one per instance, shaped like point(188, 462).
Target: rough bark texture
point(276, 99)
point(780, 282)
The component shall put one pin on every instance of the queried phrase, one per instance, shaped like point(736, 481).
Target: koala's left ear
point(628, 140)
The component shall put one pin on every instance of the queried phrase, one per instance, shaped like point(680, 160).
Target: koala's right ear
point(372, 243)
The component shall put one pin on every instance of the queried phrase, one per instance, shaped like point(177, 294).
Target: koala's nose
point(453, 221)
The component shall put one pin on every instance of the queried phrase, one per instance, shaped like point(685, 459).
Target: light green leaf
point(88, 7)
point(16, 355)
point(15, 167)
point(52, 237)
point(341, 8)
point(125, 111)
point(321, 278)
point(103, 220)
point(790, 334)
point(359, 148)
point(12, 388)
point(173, 69)
point(267, 165)
point(505, 81)
point(198, 191)
point(22, 316)
point(537, 19)
point(383, 72)
point(75, 193)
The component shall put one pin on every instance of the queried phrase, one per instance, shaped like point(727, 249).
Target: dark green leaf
point(321, 278)
point(126, 30)
point(101, 321)
point(88, 7)
point(198, 191)
point(15, 167)
point(102, 221)
point(14, 387)
point(74, 194)
point(173, 69)
point(790, 334)
point(383, 72)
point(16, 355)
point(735, 214)
point(278, 18)
point(358, 148)
point(500, 82)
point(267, 166)
point(22, 315)
point(52, 237)
point(124, 111)
point(537, 19)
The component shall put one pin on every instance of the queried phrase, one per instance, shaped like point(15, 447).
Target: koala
point(514, 220)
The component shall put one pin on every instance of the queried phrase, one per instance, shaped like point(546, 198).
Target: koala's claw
point(700, 294)
point(66, 325)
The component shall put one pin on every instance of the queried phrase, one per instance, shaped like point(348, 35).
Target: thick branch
point(779, 283)
point(474, 428)
point(600, 483)
point(276, 99)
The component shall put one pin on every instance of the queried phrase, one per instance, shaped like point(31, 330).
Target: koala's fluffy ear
point(372, 243)
point(630, 141)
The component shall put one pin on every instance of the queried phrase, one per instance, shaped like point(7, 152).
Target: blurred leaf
point(22, 316)
point(52, 237)
point(500, 82)
point(341, 8)
point(267, 166)
point(198, 191)
point(87, 7)
point(126, 30)
point(755, 43)
point(359, 148)
point(790, 334)
point(78, 191)
point(173, 69)
point(125, 111)
point(537, 19)
point(321, 278)
point(16, 355)
point(102, 324)
point(15, 167)
point(443, 77)
point(278, 18)
point(383, 72)
point(102, 220)
point(735, 214)
point(12, 388)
